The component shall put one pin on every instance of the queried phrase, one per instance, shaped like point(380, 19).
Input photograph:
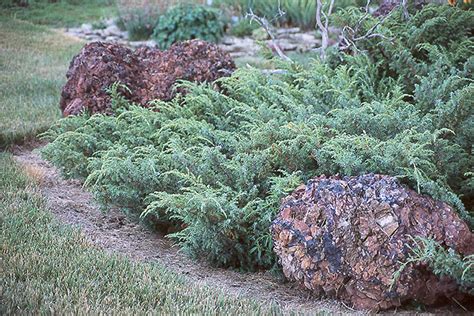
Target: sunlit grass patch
point(49, 268)
point(33, 64)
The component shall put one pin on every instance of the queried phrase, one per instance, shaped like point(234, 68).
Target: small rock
point(285, 31)
point(92, 38)
point(239, 46)
point(86, 28)
point(112, 30)
point(284, 45)
point(149, 43)
point(111, 39)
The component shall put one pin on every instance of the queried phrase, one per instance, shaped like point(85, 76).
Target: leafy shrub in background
point(139, 18)
point(188, 21)
point(139, 24)
point(218, 164)
point(301, 13)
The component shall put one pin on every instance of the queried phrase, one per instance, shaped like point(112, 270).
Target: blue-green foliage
point(186, 22)
point(217, 164)
point(443, 263)
point(434, 39)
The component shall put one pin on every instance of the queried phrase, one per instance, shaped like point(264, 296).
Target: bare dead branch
point(324, 28)
point(372, 29)
point(349, 36)
point(263, 22)
point(405, 9)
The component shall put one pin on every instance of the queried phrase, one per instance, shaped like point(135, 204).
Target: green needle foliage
point(216, 164)
point(48, 268)
point(442, 262)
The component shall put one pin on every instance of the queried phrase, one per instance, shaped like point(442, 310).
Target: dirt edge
point(115, 233)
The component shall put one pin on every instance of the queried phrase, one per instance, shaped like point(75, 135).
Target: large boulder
point(193, 60)
point(346, 237)
point(148, 73)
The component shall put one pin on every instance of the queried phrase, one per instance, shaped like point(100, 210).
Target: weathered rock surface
point(193, 60)
point(148, 72)
point(93, 71)
point(345, 238)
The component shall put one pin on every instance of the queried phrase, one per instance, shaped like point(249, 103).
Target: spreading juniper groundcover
point(214, 164)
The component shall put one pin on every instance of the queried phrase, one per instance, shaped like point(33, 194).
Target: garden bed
point(207, 169)
point(115, 233)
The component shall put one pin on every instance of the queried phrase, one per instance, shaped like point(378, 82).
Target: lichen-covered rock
point(345, 238)
point(148, 72)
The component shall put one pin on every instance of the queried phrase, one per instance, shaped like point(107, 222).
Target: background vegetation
point(139, 17)
point(188, 21)
point(299, 13)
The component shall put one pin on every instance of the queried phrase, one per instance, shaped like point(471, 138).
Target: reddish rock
point(345, 238)
point(387, 6)
point(194, 60)
point(148, 72)
point(92, 71)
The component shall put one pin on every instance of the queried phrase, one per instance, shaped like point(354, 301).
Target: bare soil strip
point(113, 232)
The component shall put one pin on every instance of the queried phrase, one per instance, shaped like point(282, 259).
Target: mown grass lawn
point(62, 13)
point(33, 65)
point(47, 268)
